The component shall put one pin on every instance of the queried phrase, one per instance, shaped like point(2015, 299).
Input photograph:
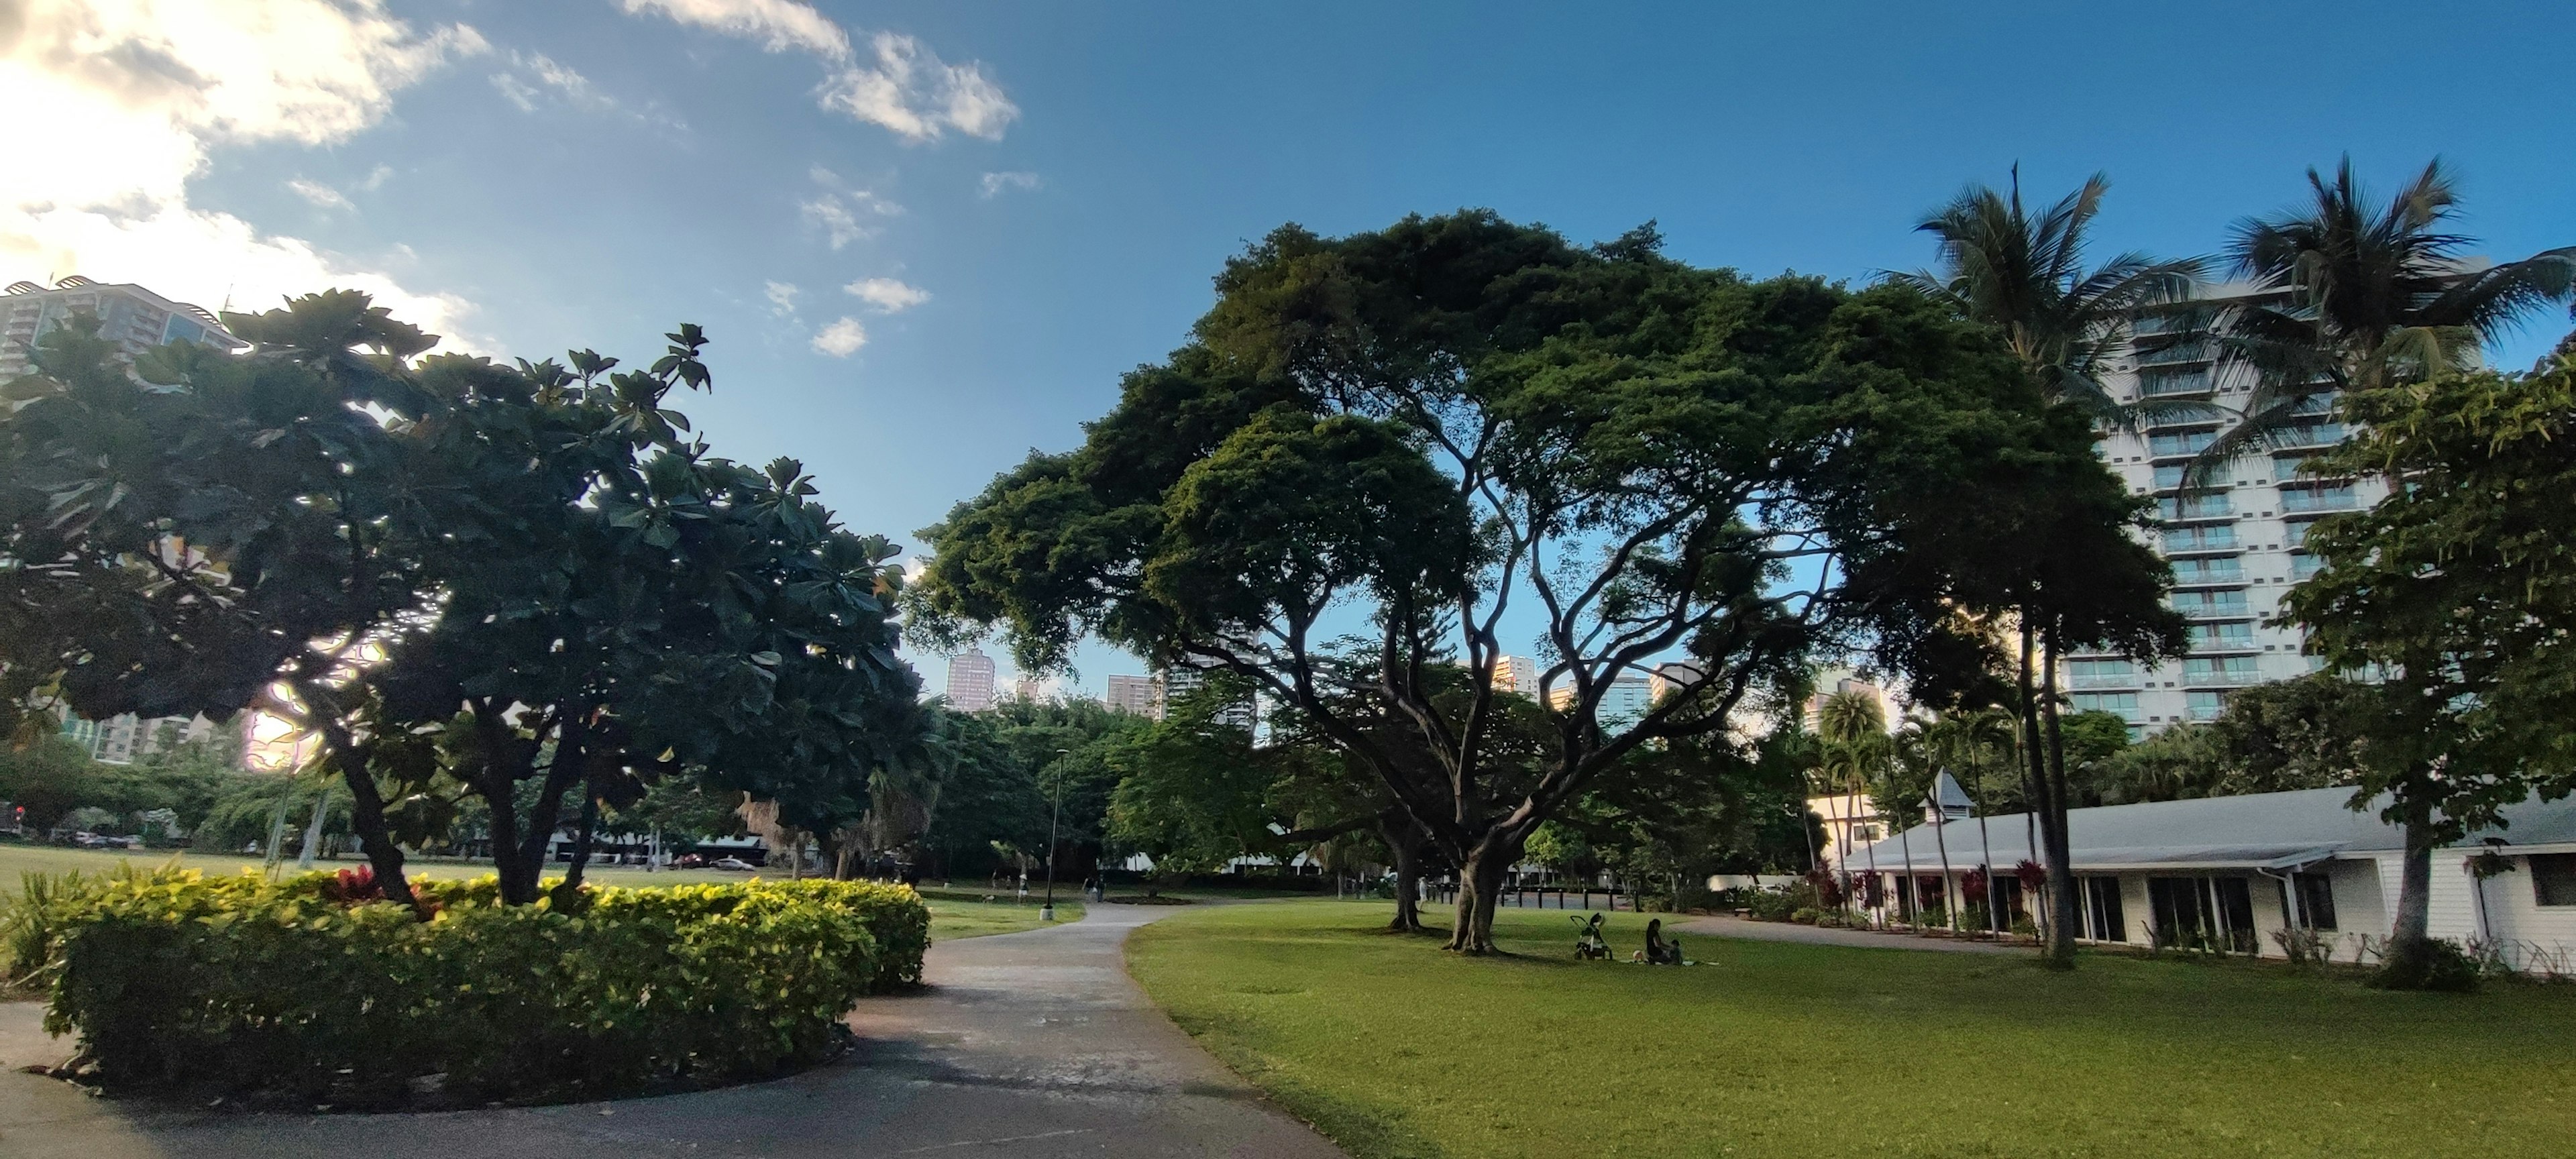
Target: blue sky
point(1033, 197)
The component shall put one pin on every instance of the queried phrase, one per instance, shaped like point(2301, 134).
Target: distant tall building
point(1517, 674)
point(970, 681)
point(121, 740)
point(1028, 689)
point(1181, 680)
point(1833, 680)
point(1624, 703)
point(1135, 695)
point(134, 318)
point(2236, 546)
point(1669, 678)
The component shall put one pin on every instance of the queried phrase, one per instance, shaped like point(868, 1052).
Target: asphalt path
point(1032, 1045)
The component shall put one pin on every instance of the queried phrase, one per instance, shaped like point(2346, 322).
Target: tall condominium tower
point(1517, 674)
point(134, 318)
point(1136, 695)
point(2235, 544)
point(970, 681)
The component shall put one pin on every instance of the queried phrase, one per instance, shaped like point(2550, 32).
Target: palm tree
point(2026, 277)
point(2363, 296)
point(1853, 728)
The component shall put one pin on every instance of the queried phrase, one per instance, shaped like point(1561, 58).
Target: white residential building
point(2238, 871)
point(1518, 674)
point(1623, 703)
point(134, 318)
point(2235, 547)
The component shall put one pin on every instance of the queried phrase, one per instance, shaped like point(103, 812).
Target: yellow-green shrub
point(246, 986)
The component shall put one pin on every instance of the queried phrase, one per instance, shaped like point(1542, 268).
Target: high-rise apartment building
point(1181, 680)
point(1624, 703)
point(970, 681)
point(134, 318)
point(2234, 545)
point(1136, 695)
point(124, 739)
point(1517, 674)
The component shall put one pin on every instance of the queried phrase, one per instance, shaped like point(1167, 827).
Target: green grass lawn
point(1395, 1048)
point(952, 915)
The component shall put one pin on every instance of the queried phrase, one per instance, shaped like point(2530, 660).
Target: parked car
point(731, 863)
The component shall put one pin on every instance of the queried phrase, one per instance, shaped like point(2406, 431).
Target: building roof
point(2258, 830)
point(1947, 794)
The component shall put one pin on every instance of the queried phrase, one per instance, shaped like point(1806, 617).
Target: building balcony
point(2212, 610)
point(2308, 436)
point(2221, 678)
point(2215, 577)
point(2318, 501)
point(2180, 446)
point(2121, 680)
point(2193, 508)
point(2202, 541)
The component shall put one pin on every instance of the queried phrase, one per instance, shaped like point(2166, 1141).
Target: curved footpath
point(1032, 1045)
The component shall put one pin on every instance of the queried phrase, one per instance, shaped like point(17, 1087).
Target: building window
point(2203, 706)
point(2316, 900)
point(2121, 704)
point(2103, 920)
point(2553, 878)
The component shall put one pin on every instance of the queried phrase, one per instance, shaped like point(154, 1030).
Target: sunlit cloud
point(126, 101)
point(886, 294)
point(899, 83)
point(995, 184)
point(841, 339)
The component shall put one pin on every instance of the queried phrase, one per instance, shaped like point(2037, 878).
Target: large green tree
point(2455, 597)
point(463, 578)
point(1429, 435)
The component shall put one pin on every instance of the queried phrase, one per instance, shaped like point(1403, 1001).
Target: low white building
point(2237, 871)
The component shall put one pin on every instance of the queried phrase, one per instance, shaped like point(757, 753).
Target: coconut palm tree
point(2026, 276)
point(1852, 727)
point(2369, 295)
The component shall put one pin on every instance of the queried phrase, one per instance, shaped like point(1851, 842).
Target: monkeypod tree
point(1445, 436)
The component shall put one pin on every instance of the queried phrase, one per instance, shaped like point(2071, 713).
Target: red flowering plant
point(2031, 875)
point(1972, 886)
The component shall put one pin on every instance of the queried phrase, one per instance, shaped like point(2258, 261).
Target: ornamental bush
point(317, 990)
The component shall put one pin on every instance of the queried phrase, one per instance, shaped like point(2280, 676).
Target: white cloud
point(996, 183)
point(375, 178)
point(534, 75)
point(905, 88)
point(779, 24)
point(840, 226)
point(782, 298)
point(322, 196)
point(841, 339)
point(886, 294)
point(911, 91)
point(134, 94)
point(516, 91)
point(845, 213)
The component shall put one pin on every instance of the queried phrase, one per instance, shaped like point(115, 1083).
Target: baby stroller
point(1589, 945)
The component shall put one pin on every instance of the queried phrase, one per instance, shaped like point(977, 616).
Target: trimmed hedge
point(311, 989)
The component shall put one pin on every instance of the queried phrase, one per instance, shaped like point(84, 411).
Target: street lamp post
point(1046, 913)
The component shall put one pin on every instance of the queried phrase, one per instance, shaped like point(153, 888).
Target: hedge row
point(306, 989)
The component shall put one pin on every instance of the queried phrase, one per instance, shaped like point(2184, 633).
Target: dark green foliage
point(567, 592)
point(233, 985)
point(1414, 428)
point(48, 778)
point(2301, 733)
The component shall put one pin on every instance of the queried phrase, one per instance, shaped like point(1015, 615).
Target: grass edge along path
point(1396, 1049)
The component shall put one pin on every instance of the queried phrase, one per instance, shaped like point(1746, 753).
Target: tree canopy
point(1376, 447)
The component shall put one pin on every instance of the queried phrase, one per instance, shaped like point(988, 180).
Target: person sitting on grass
point(1658, 951)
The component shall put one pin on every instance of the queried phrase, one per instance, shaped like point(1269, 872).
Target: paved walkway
point(1731, 927)
point(1033, 1046)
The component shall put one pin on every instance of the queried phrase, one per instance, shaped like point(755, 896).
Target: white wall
point(2532, 937)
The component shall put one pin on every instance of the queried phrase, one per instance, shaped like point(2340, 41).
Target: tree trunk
point(1480, 890)
point(2061, 859)
point(2035, 788)
point(367, 812)
point(2408, 964)
point(1404, 838)
point(570, 888)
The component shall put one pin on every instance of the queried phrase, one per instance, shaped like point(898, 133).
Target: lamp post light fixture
point(1046, 912)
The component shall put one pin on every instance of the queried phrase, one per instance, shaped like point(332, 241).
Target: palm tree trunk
point(2061, 858)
